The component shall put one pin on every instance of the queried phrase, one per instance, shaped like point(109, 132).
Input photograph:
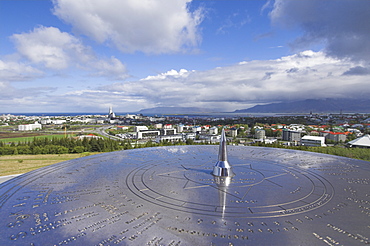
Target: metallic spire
point(222, 167)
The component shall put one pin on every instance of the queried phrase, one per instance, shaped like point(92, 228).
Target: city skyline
point(86, 56)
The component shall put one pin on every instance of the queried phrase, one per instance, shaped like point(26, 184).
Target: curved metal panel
point(168, 196)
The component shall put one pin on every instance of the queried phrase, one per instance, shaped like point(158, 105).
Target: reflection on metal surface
point(168, 196)
point(222, 167)
point(222, 184)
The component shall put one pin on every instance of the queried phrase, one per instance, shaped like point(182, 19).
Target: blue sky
point(88, 55)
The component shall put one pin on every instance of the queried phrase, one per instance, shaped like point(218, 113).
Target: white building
point(260, 134)
point(46, 121)
point(270, 141)
point(180, 128)
point(313, 141)
point(168, 131)
point(213, 131)
point(210, 138)
point(30, 127)
point(190, 135)
point(167, 126)
point(140, 128)
point(147, 134)
point(58, 122)
point(170, 138)
point(158, 126)
point(197, 129)
point(233, 132)
point(362, 142)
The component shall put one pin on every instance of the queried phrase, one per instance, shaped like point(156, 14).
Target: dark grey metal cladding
point(168, 196)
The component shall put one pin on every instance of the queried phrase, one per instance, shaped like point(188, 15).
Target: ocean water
point(194, 115)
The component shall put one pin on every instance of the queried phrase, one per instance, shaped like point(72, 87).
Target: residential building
point(213, 131)
point(289, 135)
point(197, 129)
point(334, 136)
point(180, 128)
point(158, 126)
point(260, 134)
point(210, 138)
point(234, 132)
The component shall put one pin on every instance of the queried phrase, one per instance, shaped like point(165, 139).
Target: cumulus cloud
point(150, 26)
point(170, 74)
point(340, 25)
point(15, 71)
point(51, 48)
point(306, 75)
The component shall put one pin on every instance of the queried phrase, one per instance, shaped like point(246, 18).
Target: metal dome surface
point(168, 196)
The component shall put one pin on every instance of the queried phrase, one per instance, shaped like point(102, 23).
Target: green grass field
point(16, 164)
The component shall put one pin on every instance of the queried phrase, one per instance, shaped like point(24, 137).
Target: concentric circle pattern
point(168, 196)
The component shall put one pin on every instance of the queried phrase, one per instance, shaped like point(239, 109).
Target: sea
point(192, 115)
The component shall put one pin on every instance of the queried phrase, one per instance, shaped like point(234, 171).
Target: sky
point(89, 55)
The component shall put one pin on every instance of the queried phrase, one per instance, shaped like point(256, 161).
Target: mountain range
point(304, 106)
point(176, 110)
point(313, 105)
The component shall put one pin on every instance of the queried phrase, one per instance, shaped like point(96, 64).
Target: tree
point(78, 149)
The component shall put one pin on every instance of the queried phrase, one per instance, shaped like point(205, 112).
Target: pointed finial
point(222, 167)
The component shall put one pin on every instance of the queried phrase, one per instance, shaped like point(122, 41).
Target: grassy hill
point(16, 164)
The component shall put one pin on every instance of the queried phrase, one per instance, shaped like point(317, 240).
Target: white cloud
point(50, 47)
point(301, 76)
point(341, 25)
point(10, 95)
point(53, 49)
point(150, 26)
point(111, 68)
point(170, 74)
point(236, 20)
point(306, 75)
point(15, 71)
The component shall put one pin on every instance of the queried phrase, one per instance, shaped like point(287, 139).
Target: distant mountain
point(176, 110)
point(313, 105)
